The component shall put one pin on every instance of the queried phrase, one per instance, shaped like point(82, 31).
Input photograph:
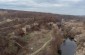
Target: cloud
point(47, 5)
point(7, 1)
point(53, 6)
point(72, 0)
point(42, 3)
point(34, 4)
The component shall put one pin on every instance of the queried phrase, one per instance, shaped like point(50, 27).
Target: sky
point(69, 7)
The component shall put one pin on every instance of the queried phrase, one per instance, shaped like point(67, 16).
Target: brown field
point(35, 33)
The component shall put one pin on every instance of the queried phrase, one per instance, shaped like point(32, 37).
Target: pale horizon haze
point(69, 7)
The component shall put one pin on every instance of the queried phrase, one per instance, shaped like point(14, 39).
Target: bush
point(11, 48)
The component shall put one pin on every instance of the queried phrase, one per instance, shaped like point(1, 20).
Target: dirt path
point(37, 51)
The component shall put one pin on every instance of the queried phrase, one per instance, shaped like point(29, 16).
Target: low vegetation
point(31, 33)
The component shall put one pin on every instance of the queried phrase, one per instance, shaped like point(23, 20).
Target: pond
point(68, 47)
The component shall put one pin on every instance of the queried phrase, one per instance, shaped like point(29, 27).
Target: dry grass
point(45, 41)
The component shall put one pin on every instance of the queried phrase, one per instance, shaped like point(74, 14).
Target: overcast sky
point(71, 7)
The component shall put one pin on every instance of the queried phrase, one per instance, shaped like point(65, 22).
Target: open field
point(35, 33)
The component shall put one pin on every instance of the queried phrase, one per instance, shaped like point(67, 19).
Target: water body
point(68, 47)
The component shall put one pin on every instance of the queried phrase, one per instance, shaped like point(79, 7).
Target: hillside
point(29, 14)
point(15, 17)
point(36, 33)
